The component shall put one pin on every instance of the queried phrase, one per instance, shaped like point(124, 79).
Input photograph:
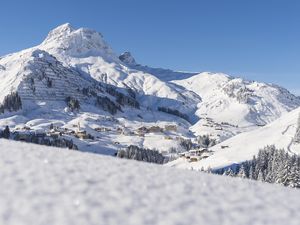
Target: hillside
point(42, 185)
point(242, 147)
point(232, 105)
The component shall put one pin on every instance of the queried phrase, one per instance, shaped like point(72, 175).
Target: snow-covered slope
point(41, 185)
point(244, 146)
point(233, 105)
point(162, 74)
point(33, 74)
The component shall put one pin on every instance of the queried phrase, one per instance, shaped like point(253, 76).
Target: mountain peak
point(64, 27)
point(76, 42)
point(127, 58)
point(59, 32)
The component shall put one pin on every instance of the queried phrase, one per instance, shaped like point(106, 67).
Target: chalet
point(119, 130)
point(98, 129)
point(168, 138)
point(82, 135)
point(142, 130)
point(171, 128)
point(197, 152)
point(193, 152)
point(106, 129)
point(195, 155)
point(26, 128)
point(102, 129)
point(194, 159)
point(155, 129)
point(181, 155)
point(70, 132)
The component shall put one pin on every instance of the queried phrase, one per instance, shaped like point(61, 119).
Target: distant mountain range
point(74, 85)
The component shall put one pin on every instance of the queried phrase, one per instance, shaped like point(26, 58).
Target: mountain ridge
point(126, 96)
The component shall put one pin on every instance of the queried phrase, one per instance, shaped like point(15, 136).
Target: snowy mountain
point(85, 50)
point(233, 105)
point(42, 185)
point(75, 85)
point(229, 105)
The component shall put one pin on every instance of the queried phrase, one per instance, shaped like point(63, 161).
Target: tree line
point(271, 165)
point(141, 154)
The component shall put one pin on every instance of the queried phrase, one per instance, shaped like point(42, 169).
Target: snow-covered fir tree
point(270, 165)
point(242, 172)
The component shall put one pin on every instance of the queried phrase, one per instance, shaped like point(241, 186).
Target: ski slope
point(41, 185)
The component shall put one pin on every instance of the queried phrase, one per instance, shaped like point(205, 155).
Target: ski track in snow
point(286, 130)
point(41, 185)
point(291, 142)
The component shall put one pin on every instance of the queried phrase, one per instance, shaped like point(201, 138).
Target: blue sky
point(258, 40)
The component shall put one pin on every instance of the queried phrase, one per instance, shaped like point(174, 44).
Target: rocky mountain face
point(128, 59)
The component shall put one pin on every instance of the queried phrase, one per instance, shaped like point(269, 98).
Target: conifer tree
point(242, 172)
point(6, 133)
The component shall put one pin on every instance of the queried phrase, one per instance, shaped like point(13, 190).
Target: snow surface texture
point(41, 185)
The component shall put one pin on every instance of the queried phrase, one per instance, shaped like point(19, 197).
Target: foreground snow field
point(41, 185)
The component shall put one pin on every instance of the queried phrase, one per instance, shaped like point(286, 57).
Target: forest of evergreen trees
point(11, 103)
point(205, 141)
point(271, 165)
point(174, 112)
point(141, 154)
point(40, 139)
point(123, 99)
point(73, 104)
point(108, 105)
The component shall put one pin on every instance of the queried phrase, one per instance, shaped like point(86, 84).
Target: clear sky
point(257, 39)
